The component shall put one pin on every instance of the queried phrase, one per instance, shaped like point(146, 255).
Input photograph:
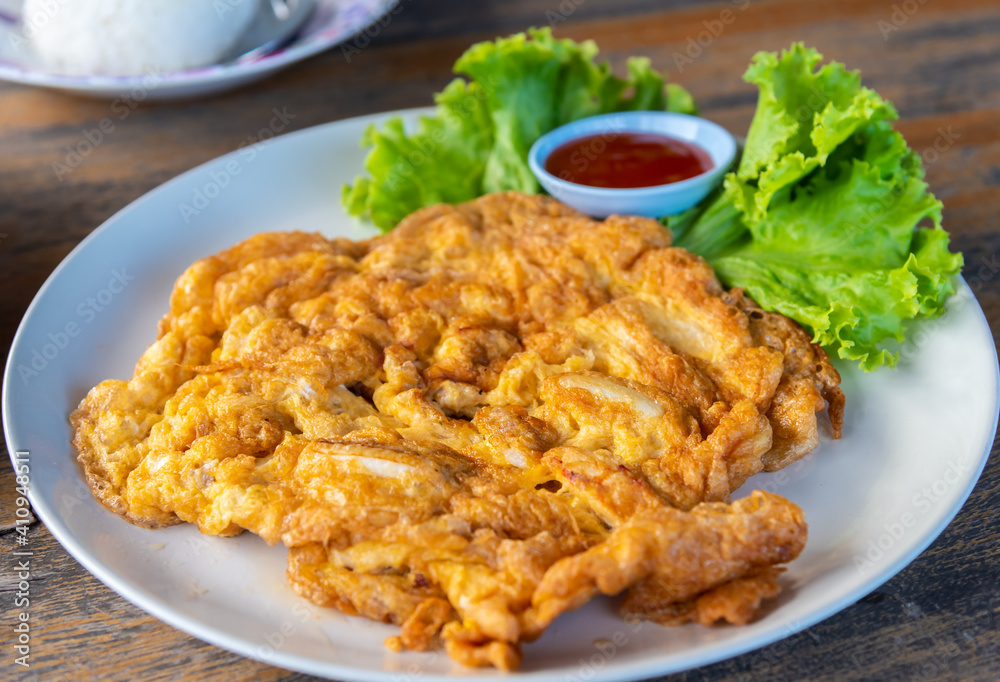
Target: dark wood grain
point(938, 619)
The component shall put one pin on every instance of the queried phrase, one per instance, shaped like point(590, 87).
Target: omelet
point(474, 423)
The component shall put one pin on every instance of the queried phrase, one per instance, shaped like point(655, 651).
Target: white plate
point(915, 442)
point(333, 22)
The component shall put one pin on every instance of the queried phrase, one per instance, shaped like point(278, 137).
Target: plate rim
point(625, 671)
point(228, 73)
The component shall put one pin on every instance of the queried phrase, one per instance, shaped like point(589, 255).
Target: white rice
point(133, 37)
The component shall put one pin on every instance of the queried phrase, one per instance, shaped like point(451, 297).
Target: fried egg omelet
point(474, 423)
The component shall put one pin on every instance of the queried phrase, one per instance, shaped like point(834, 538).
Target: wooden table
point(939, 62)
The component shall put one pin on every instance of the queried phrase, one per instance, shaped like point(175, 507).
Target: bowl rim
point(630, 118)
point(298, 49)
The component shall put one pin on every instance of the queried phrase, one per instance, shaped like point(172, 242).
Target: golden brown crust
point(735, 602)
point(441, 421)
point(707, 547)
point(805, 362)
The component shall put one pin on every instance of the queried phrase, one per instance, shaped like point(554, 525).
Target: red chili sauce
point(624, 160)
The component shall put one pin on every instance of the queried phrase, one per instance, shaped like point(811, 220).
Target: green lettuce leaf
point(827, 218)
point(443, 161)
point(802, 116)
point(477, 141)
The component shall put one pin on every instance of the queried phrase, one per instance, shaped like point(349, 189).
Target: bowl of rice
point(161, 49)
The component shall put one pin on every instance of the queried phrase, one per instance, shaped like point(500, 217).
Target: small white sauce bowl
point(655, 201)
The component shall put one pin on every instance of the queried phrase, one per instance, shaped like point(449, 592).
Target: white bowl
point(655, 201)
point(352, 22)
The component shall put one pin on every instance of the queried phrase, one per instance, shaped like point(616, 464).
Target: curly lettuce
point(827, 218)
point(477, 141)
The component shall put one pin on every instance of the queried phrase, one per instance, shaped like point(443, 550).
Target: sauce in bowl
point(627, 160)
